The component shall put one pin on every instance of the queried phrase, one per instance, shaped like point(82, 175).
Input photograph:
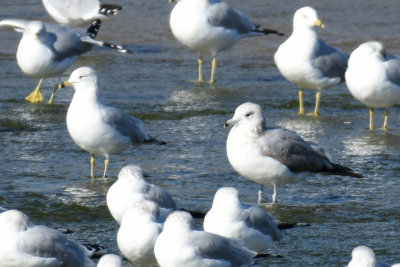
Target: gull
point(373, 78)
point(179, 245)
point(363, 256)
point(110, 260)
point(307, 61)
point(138, 233)
point(77, 13)
point(96, 127)
point(209, 27)
point(48, 50)
point(28, 245)
point(272, 156)
point(232, 219)
point(130, 188)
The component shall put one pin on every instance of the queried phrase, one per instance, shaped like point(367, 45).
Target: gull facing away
point(48, 50)
point(179, 245)
point(209, 27)
point(373, 78)
point(137, 235)
point(272, 156)
point(363, 256)
point(110, 260)
point(28, 245)
point(77, 13)
point(307, 61)
point(96, 127)
point(250, 224)
point(131, 188)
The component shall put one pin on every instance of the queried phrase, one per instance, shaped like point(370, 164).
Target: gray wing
point(291, 150)
point(332, 62)
point(263, 222)
point(212, 246)
point(42, 241)
point(221, 14)
point(161, 197)
point(126, 125)
point(393, 69)
point(66, 42)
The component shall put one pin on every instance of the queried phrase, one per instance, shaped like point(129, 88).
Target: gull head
point(248, 114)
point(370, 49)
point(362, 256)
point(178, 220)
point(37, 29)
point(307, 17)
point(81, 78)
point(14, 221)
point(226, 197)
point(144, 208)
point(131, 172)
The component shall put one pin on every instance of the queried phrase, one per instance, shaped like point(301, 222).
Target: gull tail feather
point(109, 10)
point(119, 48)
point(267, 31)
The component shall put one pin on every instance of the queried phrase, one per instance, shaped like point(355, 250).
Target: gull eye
point(80, 77)
point(249, 114)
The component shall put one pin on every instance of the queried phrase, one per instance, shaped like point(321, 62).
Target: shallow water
point(46, 175)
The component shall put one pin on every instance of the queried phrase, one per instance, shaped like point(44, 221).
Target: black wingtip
point(94, 29)
point(110, 10)
point(119, 48)
point(344, 171)
point(152, 140)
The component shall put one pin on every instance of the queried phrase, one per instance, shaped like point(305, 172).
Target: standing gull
point(209, 27)
point(98, 128)
point(179, 245)
point(272, 156)
point(373, 78)
point(76, 13)
point(47, 50)
point(307, 61)
point(28, 245)
point(230, 218)
point(131, 188)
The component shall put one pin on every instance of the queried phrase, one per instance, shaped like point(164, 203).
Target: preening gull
point(230, 218)
point(363, 256)
point(179, 245)
point(110, 260)
point(307, 61)
point(48, 50)
point(137, 235)
point(130, 188)
point(209, 27)
point(272, 156)
point(25, 244)
point(76, 13)
point(98, 128)
point(373, 78)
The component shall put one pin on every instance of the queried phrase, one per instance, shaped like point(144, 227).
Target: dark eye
point(249, 114)
point(80, 77)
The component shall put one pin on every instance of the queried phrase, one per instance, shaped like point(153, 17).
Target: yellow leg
point(36, 96)
point(385, 123)
point(92, 163)
point(213, 68)
point(106, 162)
point(301, 101)
point(51, 101)
point(371, 118)
point(317, 101)
point(201, 77)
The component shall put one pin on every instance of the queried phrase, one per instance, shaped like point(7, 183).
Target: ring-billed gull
point(110, 260)
point(363, 256)
point(138, 233)
point(25, 244)
point(76, 13)
point(179, 245)
point(98, 128)
point(209, 27)
point(307, 61)
point(373, 78)
point(130, 188)
point(47, 50)
point(272, 156)
point(230, 218)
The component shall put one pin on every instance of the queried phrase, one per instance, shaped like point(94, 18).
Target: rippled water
point(44, 174)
